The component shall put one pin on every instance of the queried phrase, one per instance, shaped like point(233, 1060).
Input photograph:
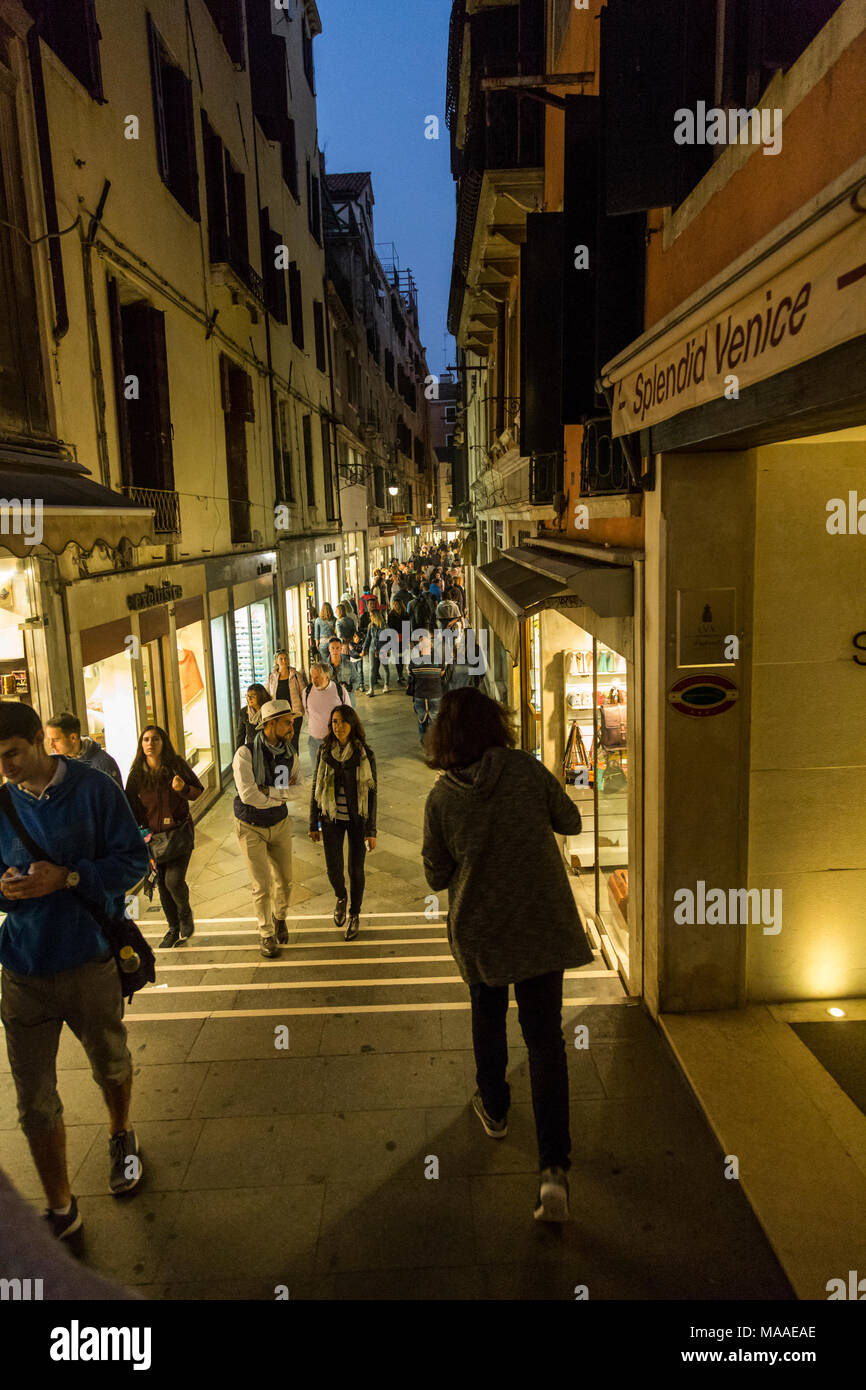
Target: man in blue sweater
point(57, 966)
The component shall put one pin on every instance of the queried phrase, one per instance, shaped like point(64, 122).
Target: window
point(450, 412)
point(23, 403)
point(141, 392)
point(173, 120)
point(290, 161)
point(499, 535)
point(328, 469)
point(389, 368)
point(71, 31)
point(449, 440)
point(268, 72)
point(238, 408)
point(308, 461)
point(273, 276)
point(314, 207)
point(379, 485)
point(308, 54)
point(283, 472)
point(226, 15)
point(226, 204)
point(319, 329)
point(296, 301)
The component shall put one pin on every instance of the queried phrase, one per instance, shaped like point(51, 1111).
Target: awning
point(524, 582)
point(46, 502)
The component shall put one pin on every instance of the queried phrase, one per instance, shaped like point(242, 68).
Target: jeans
point(333, 833)
point(314, 744)
point(426, 710)
point(174, 893)
point(539, 1009)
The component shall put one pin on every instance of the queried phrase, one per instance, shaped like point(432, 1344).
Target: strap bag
point(168, 845)
point(613, 726)
point(123, 935)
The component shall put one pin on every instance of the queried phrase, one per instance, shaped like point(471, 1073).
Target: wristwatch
point(73, 878)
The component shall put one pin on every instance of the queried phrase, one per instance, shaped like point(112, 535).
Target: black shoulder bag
point(121, 931)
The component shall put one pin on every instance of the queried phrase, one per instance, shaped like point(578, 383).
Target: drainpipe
point(46, 169)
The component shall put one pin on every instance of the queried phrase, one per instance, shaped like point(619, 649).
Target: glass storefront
point(534, 712)
point(110, 703)
point(15, 608)
point(328, 583)
point(296, 625)
point(221, 670)
point(596, 770)
point(255, 644)
point(191, 665)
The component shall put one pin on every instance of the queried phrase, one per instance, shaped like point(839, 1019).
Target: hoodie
point(85, 823)
point(97, 757)
point(489, 838)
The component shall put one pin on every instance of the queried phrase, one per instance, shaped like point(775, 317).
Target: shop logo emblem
point(703, 695)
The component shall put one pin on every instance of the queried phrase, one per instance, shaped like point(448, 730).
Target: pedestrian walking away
point(159, 789)
point(512, 918)
point(266, 773)
point(250, 720)
point(324, 629)
point(57, 965)
point(286, 682)
point(343, 806)
point(64, 736)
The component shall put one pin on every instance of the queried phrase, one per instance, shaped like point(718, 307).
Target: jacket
point(489, 839)
point(266, 805)
point(297, 681)
point(160, 807)
point(323, 631)
point(427, 681)
point(97, 757)
point(247, 728)
point(85, 823)
point(347, 773)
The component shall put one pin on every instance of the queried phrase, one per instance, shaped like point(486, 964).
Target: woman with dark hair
point(343, 804)
point(248, 724)
point(159, 789)
point(489, 829)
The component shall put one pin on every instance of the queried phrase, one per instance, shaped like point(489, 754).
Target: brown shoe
point(268, 947)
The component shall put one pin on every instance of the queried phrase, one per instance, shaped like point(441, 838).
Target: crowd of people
point(506, 925)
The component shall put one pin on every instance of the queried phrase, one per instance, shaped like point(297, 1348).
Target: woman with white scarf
point(343, 805)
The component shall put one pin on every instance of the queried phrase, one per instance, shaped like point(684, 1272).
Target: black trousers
point(296, 734)
point(539, 1010)
point(174, 893)
point(333, 833)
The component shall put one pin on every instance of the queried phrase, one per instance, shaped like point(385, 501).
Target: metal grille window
point(173, 121)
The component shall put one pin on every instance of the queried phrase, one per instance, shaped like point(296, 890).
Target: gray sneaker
point(125, 1162)
point(496, 1129)
point(552, 1201)
point(268, 947)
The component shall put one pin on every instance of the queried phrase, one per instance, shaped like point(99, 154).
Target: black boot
point(340, 912)
point(354, 926)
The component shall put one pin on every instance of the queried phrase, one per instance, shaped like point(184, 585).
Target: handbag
point(613, 726)
point(168, 845)
point(120, 932)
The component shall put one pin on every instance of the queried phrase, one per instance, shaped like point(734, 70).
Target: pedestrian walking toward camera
point(64, 736)
point(159, 789)
point(343, 806)
point(426, 685)
point(250, 719)
point(287, 682)
point(339, 666)
point(265, 774)
point(57, 965)
point(321, 696)
point(507, 925)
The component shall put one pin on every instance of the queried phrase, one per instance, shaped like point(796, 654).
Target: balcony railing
point(504, 130)
point(545, 477)
point(604, 466)
point(165, 504)
point(224, 251)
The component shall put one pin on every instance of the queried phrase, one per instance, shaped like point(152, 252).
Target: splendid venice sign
point(813, 305)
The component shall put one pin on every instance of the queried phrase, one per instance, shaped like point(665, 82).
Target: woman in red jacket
point(159, 789)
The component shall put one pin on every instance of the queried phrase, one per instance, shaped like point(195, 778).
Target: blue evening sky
point(380, 71)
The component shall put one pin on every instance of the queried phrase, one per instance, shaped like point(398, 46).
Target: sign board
point(813, 305)
point(703, 695)
point(705, 620)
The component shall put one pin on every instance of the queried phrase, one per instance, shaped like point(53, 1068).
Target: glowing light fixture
point(393, 490)
point(837, 1013)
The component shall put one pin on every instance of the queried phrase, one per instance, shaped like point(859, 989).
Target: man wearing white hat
point(265, 774)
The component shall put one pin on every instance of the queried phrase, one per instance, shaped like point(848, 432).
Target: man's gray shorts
point(34, 1008)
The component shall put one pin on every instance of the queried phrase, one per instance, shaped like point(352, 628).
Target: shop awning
point(47, 502)
point(523, 582)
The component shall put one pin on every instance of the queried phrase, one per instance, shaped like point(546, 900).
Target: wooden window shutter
point(225, 383)
point(119, 381)
point(249, 403)
point(214, 190)
point(541, 334)
point(159, 358)
point(155, 49)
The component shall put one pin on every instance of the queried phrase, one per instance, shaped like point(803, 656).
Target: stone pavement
point(311, 1165)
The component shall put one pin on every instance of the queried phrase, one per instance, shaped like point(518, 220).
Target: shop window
point(15, 609)
point(296, 301)
point(290, 161)
point(274, 277)
point(224, 708)
point(173, 121)
point(70, 29)
point(192, 663)
point(110, 707)
point(308, 460)
point(254, 644)
point(327, 465)
point(23, 404)
point(319, 330)
point(238, 410)
point(226, 15)
point(296, 626)
point(141, 393)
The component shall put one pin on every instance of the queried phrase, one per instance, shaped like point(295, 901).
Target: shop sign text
point(154, 595)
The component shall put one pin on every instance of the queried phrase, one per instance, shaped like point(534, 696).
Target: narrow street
point(312, 1166)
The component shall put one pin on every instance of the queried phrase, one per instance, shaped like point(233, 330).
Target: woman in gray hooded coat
point(489, 829)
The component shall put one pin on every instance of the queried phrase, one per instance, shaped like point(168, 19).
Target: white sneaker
point(552, 1200)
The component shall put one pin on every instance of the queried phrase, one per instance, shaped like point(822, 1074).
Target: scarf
point(257, 751)
point(338, 758)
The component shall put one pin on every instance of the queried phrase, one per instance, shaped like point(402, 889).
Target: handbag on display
point(615, 779)
point(576, 665)
point(617, 892)
point(613, 726)
point(124, 936)
point(575, 758)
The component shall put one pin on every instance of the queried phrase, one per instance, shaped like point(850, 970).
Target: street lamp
point(429, 506)
point(393, 490)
